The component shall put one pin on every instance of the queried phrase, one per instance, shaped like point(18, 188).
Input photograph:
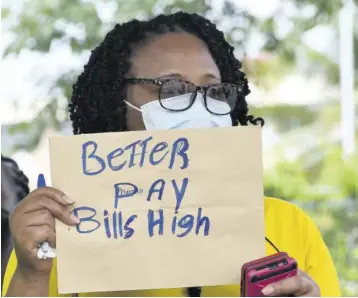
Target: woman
point(131, 82)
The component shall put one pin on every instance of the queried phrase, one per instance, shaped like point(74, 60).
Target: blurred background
point(301, 60)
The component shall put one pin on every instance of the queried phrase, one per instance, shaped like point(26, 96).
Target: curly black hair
point(97, 100)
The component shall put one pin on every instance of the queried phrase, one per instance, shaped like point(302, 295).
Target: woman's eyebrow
point(169, 75)
point(178, 75)
point(211, 75)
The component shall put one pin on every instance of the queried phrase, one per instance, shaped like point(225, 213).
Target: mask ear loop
point(132, 106)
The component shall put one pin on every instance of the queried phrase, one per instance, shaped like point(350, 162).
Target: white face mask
point(155, 117)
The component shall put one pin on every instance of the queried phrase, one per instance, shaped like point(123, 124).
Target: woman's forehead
point(173, 53)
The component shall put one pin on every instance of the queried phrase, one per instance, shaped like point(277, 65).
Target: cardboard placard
point(162, 209)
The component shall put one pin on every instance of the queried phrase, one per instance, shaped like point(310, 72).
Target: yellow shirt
point(287, 226)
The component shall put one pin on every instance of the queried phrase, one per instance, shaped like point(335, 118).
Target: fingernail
point(75, 219)
point(268, 290)
point(67, 199)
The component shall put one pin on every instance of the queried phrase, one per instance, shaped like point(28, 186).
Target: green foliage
point(5, 13)
point(286, 117)
point(322, 63)
point(324, 9)
point(191, 6)
point(286, 181)
point(331, 198)
point(43, 22)
point(267, 72)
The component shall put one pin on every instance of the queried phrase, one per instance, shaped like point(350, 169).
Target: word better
point(94, 164)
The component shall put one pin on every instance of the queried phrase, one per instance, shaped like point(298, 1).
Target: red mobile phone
point(259, 273)
point(253, 264)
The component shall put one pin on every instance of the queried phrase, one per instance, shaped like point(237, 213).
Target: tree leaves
point(330, 195)
point(39, 21)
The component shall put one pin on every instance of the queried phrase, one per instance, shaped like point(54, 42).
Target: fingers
point(55, 194)
point(39, 218)
point(36, 226)
point(32, 223)
point(45, 233)
point(297, 286)
point(31, 238)
point(42, 203)
point(63, 213)
point(51, 199)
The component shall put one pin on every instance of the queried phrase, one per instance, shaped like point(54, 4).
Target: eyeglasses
point(214, 95)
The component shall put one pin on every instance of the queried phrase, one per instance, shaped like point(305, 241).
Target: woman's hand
point(297, 286)
point(32, 222)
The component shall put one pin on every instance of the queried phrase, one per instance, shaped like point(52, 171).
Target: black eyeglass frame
point(204, 88)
